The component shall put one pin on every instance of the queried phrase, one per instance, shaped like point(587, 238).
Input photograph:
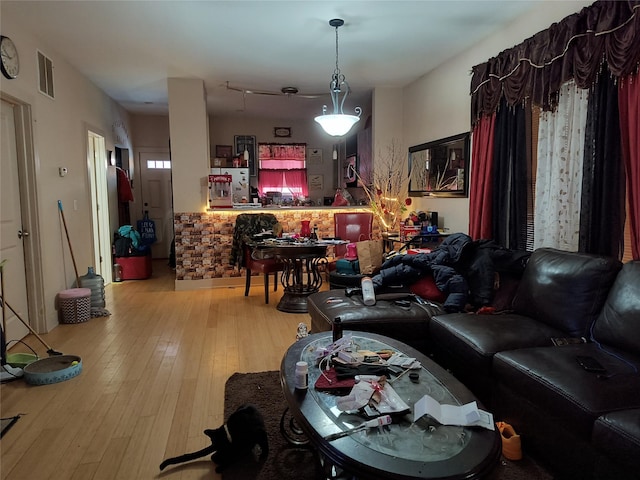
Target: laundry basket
point(75, 305)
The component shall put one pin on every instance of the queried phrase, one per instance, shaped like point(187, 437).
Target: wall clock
point(10, 63)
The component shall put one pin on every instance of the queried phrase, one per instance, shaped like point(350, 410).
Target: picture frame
point(315, 156)
point(316, 182)
point(248, 142)
point(224, 151)
point(440, 168)
point(282, 132)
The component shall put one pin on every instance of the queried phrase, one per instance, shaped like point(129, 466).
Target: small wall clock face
point(10, 62)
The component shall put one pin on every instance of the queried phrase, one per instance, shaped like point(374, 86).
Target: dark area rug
point(294, 463)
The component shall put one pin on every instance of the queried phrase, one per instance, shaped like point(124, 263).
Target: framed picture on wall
point(316, 182)
point(224, 151)
point(315, 156)
point(247, 142)
point(282, 132)
point(440, 168)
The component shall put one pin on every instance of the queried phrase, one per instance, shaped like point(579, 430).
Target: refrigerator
point(239, 182)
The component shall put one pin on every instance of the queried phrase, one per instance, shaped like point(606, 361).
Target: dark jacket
point(463, 269)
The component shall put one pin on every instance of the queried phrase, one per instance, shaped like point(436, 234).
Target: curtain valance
point(604, 34)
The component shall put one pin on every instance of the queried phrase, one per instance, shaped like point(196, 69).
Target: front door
point(155, 175)
point(12, 234)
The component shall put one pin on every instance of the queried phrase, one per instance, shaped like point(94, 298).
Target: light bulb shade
point(337, 124)
point(246, 154)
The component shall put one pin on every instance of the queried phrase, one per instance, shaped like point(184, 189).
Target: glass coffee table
point(402, 450)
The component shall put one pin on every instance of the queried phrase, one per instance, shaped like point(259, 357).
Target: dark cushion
point(426, 288)
point(618, 435)
point(565, 290)
point(619, 322)
point(475, 339)
point(551, 378)
point(407, 324)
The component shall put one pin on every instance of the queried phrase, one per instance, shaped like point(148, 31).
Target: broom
point(64, 223)
point(50, 350)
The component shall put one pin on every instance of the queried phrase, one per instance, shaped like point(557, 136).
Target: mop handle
point(73, 259)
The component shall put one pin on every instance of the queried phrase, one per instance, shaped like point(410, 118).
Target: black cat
point(238, 437)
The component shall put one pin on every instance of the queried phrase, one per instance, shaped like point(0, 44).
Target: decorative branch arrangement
point(389, 188)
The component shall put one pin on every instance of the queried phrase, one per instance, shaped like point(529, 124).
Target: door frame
point(27, 177)
point(97, 170)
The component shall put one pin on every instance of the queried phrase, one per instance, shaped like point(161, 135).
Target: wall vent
point(45, 75)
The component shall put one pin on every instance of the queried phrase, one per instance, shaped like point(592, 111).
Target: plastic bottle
point(94, 282)
point(337, 329)
point(302, 375)
point(368, 293)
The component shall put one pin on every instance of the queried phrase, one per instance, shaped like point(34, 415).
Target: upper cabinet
point(355, 159)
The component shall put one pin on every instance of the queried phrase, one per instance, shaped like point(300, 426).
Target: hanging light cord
point(336, 72)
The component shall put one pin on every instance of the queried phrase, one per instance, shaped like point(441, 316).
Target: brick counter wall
point(203, 239)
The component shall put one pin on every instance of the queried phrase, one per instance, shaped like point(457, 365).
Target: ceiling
point(130, 48)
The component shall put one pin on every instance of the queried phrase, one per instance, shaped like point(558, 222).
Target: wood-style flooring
point(153, 376)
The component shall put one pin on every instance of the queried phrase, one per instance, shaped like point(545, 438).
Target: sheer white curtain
point(559, 174)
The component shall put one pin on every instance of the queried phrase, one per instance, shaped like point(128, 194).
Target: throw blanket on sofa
point(463, 269)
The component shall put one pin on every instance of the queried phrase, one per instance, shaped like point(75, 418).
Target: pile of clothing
point(463, 269)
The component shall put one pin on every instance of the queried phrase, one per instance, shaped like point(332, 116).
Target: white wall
point(60, 137)
point(438, 104)
point(189, 131)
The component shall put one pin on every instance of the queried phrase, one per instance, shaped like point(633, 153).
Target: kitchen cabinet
point(354, 156)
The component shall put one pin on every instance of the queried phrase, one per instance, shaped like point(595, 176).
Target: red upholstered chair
point(354, 227)
point(265, 266)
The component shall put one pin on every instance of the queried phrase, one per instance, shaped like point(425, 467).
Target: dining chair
point(247, 225)
point(353, 227)
point(265, 266)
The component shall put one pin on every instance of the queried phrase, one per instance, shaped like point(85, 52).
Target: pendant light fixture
point(337, 123)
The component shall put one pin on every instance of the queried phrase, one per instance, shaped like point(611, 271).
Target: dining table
point(303, 267)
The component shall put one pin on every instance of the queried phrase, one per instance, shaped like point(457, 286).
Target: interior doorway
point(98, 171)
point(12, 233)
point(20, 239)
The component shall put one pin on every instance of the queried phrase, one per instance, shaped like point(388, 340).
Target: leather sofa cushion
point(619, 322)
point(618, 435)
point(407, 324)
point(551, 378)
point(475, 339)
point(565, 289)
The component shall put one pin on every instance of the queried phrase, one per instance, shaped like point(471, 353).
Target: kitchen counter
point(204, 239)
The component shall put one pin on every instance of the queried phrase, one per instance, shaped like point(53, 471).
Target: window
point(159, 164)
point(283, 169)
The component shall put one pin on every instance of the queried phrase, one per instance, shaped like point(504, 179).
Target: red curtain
point(480, 203)
point(292, 182)
point(629, 106)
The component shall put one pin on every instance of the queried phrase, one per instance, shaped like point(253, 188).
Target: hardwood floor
point(152, 380)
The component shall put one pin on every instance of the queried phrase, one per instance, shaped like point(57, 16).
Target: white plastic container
point(368, 293)
point(302, 375)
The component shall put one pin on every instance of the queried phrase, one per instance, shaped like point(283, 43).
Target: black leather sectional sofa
point(583, 424)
